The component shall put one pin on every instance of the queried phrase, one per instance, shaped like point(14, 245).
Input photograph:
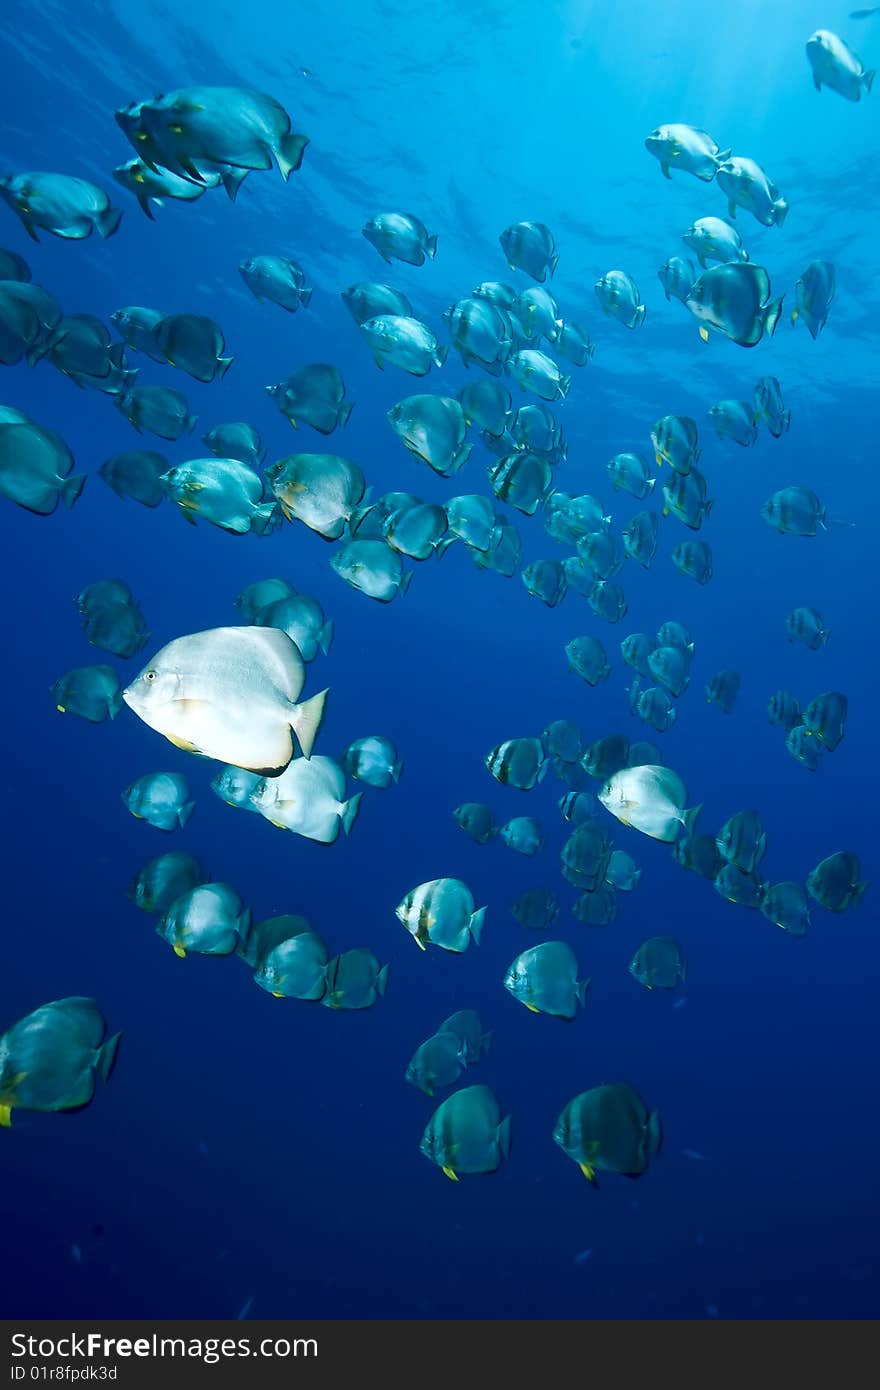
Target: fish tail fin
point(289, 154)
point(431, 243)
point(144, 202)
point(771, 315)
point(564, 386)
point(859, 892)
point(305, 296)
point(108, 221)
point(305, 720)
point(262, 518)
point(780, 211)
point(382, 980)
point(868, 78)
point(71, 489)
point(345, 412)
point(503, 1135)
point(405, 582)
point(475, 924)
point(485, 1042)
point(223, 365)
point(440, 355)
point(689, 818)
point(442, 546)
point(552, 264)
point(114, 704)
point(639, 316)
point(232, 180)
point(350, 809)
point(325, 636)
point(721, 156)
point(106, 1057)
point(581, 990)
point(190, 423)
point(184, 813)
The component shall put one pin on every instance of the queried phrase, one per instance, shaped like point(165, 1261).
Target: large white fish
point(230, 693)
point(650, 799)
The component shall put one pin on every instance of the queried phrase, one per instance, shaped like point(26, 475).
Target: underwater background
point(249, 1148)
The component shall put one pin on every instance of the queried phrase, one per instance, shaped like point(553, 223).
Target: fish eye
point(150, 675)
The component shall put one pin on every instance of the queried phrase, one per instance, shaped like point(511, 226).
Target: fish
point(546, 580)
point(609, 1129)
point(36, 469)
point(320, 490)
point(659, 964)
point(289, 959)
point(544, 978)
point(222, 491)
point(562, 739)
point(195, 344)
point(433, 428)
point(786, 906)
point(607, 601)
point(137, 475)
point(836, 883)
point(159, 409)
point(67, 207)
point(441, 912)
point(808, 626)
point(476, 821)
point(770, 407)
point(619, 297)
point(735, 300)
point(472, 518)
point(713, 239)
point(605, 756)
point(699, 853)
point(91, 692)
point(804, 747)
point(573, 342)
point(586, 855)
point(367, 300)
point(537, 908)
point(372, 568)
point(650, 799)
point(722, 689)
point(523, 479)
point(825, 718)
point(784, 709)
point(163, 880)
point(676, 275)
point(523, 834)
point(640, 537)
point(210, 920)
point(737, 886)
point(400, 236)
point(694, 559)
point(137, 325)
point(403, 342)
point(735, 420)
point(487, 405)
point(313, 395)
point(747, 186)
point(185, 129)
point(530, 246)
point(50, 1059)
point(466, 1133)
point(598, 908)
point(466, 1028)
point(373, 760)
point(355, 980)
point(675, 440)
point(814, 292)
point(536, 372)
point(795, 511)
point(234, 786)
point(161, 799)
point(435, 1063)
point(309, 799)
point(623, 873)
point(481, 333)
point(630, 473)
point(231, 694)
point(277, 278)
point(586, 656)
point(518, 762)
point(742, 841)
point(687, 149)
point(835, 65)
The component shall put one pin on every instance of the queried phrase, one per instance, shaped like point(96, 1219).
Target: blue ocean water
point(247, 1147)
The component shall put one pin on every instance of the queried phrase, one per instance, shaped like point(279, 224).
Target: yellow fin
point(276, 994)
point(704, 334)
point(588, 1171)
point(61, 709)
point(182, 743)
point(5, 1115)
point(659, 458)
point(795, 314)
point(451, 1174)
point(420, 944)
point(532, 1008)
point(179, 951)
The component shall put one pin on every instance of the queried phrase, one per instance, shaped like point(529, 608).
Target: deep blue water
point(247, 1146)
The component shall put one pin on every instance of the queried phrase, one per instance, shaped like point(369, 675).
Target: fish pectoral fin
point(704, 334)
point(276, 994)
point(183, 744)
point(450, 1173)
point(5, 1115)
point(420, 944)
point(180, 951)
point(589, 1172)
point(532, 1008)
